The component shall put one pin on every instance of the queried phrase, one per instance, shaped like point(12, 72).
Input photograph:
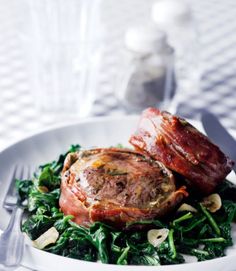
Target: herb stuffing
point(192, 230)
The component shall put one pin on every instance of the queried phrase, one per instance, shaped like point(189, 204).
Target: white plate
point(46, 146)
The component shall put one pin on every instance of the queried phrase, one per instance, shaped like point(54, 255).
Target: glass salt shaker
point(175, 18)
point(147, 77)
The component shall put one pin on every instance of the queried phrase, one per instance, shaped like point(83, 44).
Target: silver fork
point(12, 239)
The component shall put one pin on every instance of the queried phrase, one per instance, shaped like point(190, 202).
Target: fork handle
point(12, 240)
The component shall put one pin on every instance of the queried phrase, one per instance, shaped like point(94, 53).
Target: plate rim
point(64, 124)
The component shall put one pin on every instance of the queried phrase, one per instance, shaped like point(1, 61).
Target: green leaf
point(36, 225)
point(182, 218)
point(47, 178)
point(210, 219)
point(100, 234)
point(62, 224)
point(72, 243)
point(171, 244)
point(156, 223)
point(227, 191)
point(48, 200)
point(213, 240)
point(122, 260)
point(24, 187)
point(229, 209)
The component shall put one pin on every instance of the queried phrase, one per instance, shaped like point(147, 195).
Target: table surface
point(216, 23)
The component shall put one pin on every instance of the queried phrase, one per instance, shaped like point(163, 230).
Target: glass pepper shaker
point(147, 77)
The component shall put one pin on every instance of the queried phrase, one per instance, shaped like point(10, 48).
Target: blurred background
point(62, 61)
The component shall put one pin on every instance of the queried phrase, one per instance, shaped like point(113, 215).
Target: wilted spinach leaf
point(48, 200)
point(24, 187)
point(36, 225)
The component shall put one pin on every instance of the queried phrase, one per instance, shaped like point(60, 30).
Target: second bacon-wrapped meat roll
point(181, 148)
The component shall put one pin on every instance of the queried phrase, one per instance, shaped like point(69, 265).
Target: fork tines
point(17, 172)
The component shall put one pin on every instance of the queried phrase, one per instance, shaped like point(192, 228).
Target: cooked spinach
point(73, 243)
point(202, 234)
point(36, 225)
point(227, 191)
point(24, 187)
point(47, 200)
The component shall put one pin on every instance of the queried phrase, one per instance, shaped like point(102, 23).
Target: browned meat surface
point(181, 148)
point(116, 186)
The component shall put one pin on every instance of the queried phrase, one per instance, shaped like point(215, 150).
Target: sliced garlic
point(157, 237)
point(187, 207)
point(49, 237)
point(212, 203)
